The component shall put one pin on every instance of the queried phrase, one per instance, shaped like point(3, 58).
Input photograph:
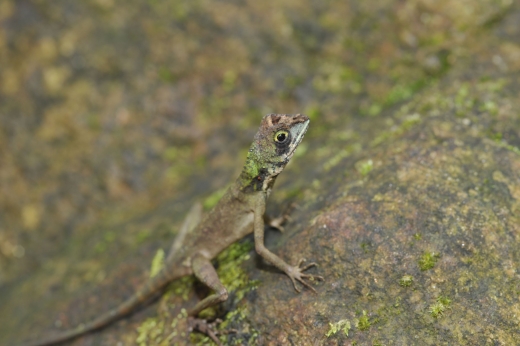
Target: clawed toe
point(299, 276)
point(310, 265)
point(203, 326)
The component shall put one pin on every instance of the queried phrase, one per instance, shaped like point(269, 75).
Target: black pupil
point(281, 137)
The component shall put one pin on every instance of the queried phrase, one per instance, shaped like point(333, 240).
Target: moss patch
point(363, 323)
point(237, 282)
point(428, 260)
point(406, 281)
point(438, 308)
point(150, 330)
point(341, 325)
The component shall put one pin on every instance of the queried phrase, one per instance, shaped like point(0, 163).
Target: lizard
point(239, 212)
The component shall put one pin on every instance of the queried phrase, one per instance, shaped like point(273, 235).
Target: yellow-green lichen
point(341, 325)
point(157, 263)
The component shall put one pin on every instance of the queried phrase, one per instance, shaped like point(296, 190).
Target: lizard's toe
point(296, 274)
point(205, 327)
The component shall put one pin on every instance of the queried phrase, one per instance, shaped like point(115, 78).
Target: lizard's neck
point(255, 177)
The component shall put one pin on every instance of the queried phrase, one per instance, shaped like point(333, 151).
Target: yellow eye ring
point(281, 136)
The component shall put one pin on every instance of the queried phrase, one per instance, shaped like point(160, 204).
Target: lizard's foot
point(203, 326)
point(279, 221)
point(295, 273)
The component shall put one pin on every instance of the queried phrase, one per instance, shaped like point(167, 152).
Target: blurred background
point(116, 115)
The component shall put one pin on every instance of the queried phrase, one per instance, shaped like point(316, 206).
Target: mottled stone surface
point(116, 115)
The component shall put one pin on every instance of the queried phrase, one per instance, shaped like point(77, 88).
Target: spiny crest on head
point(271, 120)
point(273, 147)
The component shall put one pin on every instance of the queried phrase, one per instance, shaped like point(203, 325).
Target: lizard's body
point(239, 212)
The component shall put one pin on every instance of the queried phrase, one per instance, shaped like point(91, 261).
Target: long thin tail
point(145, 292)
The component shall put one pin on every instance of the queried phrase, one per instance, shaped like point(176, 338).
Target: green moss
point(142, 235)
point(408, 122)
point(229, 80)
point(341, 154)
point(365, 246)
point(489, 106)
point(438, 308)
point(152, 330)
point(232, 276)
point(406, 281)
point(149, 331)
point(363, 323)
point(428, 260)
point(334, 328)
point(166, 75)
point(235, 317)
point(417, 236)
point(444, 300)
point(509, 147)
point(182, 287)
point(102, 245)
point(402, 92)
point(374, 109)
point(364, 167)
point(174, 153)
point(236, 281)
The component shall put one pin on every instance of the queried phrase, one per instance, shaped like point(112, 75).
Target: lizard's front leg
point(295, 273)
point(206, 273)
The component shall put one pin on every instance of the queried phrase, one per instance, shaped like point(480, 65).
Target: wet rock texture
point(116, 115)
point(443, 193)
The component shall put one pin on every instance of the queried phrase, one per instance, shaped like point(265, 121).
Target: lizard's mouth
point(298, 131)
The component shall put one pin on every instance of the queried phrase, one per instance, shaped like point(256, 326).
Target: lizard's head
point(274, 145)
point(279, 136)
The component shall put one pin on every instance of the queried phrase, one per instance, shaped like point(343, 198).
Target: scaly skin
point(240, 212)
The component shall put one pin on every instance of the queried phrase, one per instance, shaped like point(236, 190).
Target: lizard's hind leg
point(206, 273)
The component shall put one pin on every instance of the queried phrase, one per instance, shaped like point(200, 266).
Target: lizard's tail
point(145, 292)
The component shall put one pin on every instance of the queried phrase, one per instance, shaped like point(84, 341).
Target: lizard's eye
point(281, 136)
